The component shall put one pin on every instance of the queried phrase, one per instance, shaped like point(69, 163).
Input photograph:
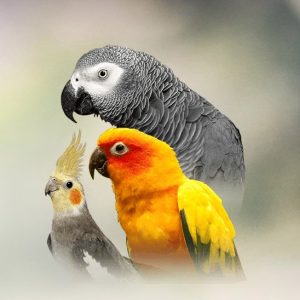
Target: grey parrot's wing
point(209, 148)
point(207, 143)
point(223, 152)
point(222, 163)
point(105, 253)
point(49, 243)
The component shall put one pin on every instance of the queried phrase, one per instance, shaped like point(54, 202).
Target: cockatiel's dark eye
point(102, 73)
point(119, 148)
point(69, 184)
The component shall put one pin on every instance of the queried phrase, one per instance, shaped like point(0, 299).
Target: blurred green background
point(243, 56)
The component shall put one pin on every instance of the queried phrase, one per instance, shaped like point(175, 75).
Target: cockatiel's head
point(135, 159)
point(110, 82)
point(63, 186)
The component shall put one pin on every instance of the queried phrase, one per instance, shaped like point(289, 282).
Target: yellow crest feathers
point(69, 163)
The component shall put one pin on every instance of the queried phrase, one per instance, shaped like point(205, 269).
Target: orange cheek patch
point(75, 196)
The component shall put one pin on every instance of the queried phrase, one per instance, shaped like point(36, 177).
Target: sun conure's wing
point(208, 230)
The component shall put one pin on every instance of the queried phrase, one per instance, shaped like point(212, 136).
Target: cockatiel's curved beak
point(77, 101)
point(51, 186)
point(98, 161)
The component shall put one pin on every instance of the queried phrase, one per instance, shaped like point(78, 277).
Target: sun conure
point(171, 222)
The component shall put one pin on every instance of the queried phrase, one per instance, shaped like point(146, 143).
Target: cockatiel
point(75, 234)
point(170, 221)
point(132, 89)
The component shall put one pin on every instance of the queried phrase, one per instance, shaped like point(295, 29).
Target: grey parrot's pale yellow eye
point(119, 148)
point(103, 74)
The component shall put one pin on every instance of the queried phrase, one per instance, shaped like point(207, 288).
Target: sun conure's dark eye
point(119, 148)
point(102, 73)
point(69, 184)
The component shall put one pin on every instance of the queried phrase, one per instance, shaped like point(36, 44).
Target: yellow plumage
point(68, 168)
point(208, 224)
point(69, 163)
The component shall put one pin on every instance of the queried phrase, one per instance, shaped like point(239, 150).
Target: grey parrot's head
point(107, 82)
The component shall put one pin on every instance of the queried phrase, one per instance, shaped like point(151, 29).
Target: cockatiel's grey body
point(132, 89)
point(73, 238)
point(75, 235)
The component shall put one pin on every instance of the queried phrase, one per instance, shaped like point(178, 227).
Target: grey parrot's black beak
point(79, 102)
point(98, 161)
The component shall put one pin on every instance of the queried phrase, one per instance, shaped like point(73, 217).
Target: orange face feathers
point(132, 137)
point(75, 196)
point(134, 159)
point(139, 149)
point(132, 151)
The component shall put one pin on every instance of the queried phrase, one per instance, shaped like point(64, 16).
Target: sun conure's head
point(63, 187)
point(138, 160)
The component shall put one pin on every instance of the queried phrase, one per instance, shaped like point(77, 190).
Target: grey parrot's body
point(132, 89)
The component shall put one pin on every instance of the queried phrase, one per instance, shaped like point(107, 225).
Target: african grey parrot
point(132, 89)
point(75, 235)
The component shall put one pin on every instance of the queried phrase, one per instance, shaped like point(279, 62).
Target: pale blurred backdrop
point(243, 56)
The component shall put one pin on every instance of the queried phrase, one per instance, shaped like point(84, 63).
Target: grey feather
point(105, 253)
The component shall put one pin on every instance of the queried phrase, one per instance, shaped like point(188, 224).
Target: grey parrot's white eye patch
point(97, 80)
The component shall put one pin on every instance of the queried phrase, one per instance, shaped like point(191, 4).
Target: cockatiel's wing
point(103, 252)
point(208, 230)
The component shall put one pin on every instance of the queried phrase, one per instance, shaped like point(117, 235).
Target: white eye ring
point(102, 74)
point(119, 149)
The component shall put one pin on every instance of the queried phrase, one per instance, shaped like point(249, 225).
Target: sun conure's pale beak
point(51, 186)
point(98, 161)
